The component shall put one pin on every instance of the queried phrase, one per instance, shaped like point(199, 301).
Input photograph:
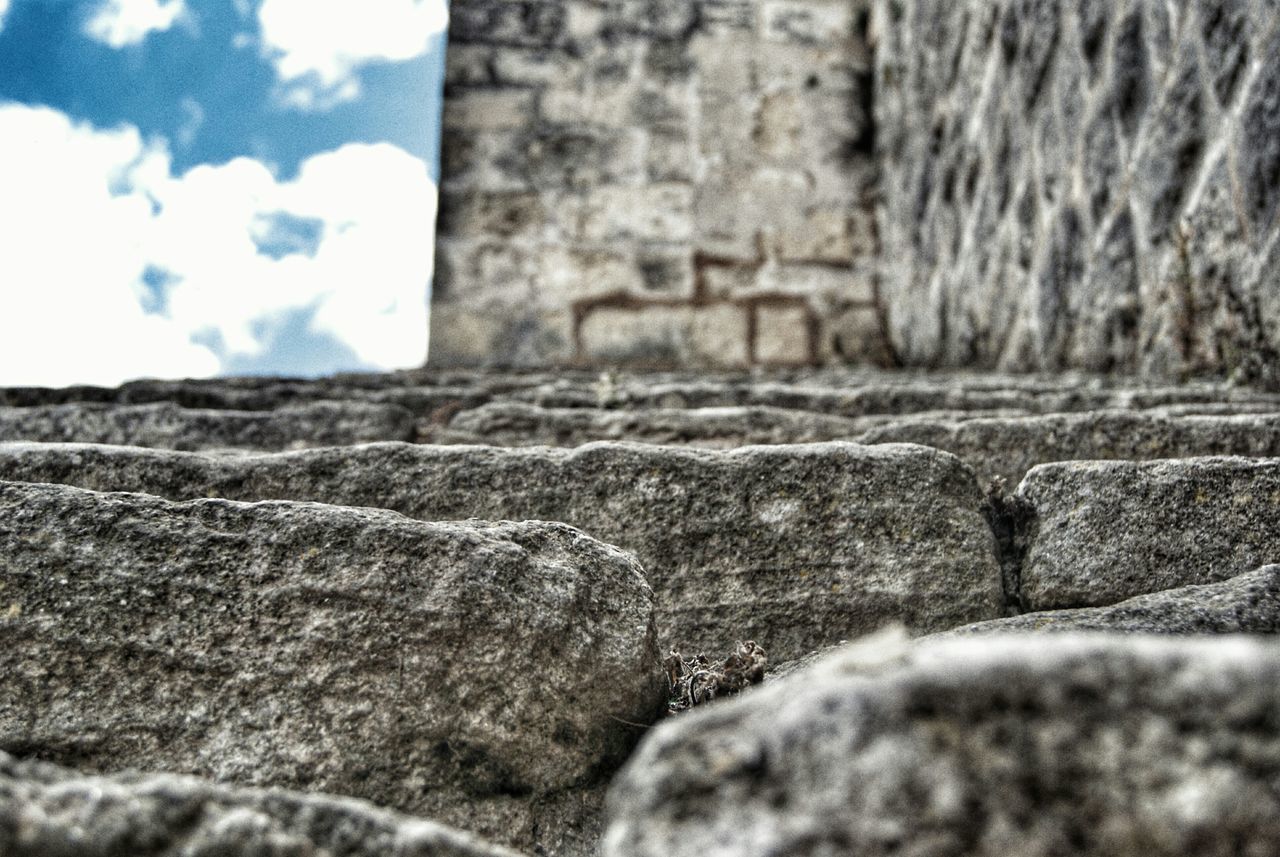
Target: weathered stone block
point(666, 269)
point(488, 109)
point(502, 214)
point(467, 671)
point(46, 810)
point(794, 547)
point(517, 424)
point(808, 21)
point(1107, 531)
point(671, 156)
point(571, 274)
point(168, 426)
point(784, 335)
point(679, 334)
point(651, 213)
point(857, 335)
point(974, 746)
point(823, 282)
point(517, 23)
point(1245, 604)
point(1007, 447)
point(827, 234)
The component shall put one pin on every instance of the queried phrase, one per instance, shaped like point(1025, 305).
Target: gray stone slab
point(1007, 447)
point(1102, 532)
point(883, 394)
point(518, 424)
point(261, 394)
point(1248, 603)
point(793, 547)
point(973, 747)
point(168, 426)
point(47, 811)
point(482, 674)
point(506, 423)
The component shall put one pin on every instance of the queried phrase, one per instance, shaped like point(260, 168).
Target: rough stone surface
point(168, 426)
point(682, 182)
point(1081, 184)
point(437, 395)
point(518, 424)
point(863, 395)
point(793, 547)
point(476, 673)
point(1008, 447)
point(47, 811)
point(972, 747)
point(1246, 604)
point(1102, 532)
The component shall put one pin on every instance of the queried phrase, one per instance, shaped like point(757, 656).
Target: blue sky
point(199, 187)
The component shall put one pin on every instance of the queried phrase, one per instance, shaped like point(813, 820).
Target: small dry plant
point(696, 680)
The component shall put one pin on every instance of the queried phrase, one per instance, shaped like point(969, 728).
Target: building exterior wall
point(681, 182)
point(1088, 184)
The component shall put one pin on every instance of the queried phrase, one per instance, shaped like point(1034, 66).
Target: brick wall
point(657, 181)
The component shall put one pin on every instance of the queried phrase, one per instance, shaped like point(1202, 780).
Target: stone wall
point(656, 181)
point(1081, 184)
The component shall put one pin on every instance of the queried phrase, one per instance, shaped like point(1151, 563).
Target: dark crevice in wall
point(1012, 522)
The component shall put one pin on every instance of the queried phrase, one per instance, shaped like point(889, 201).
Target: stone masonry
point(1091, 185)
point(307, 630)
point(969, 613)
point(1010, 184)
point(682, 182)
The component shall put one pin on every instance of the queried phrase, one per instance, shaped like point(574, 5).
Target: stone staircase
point(449, 595)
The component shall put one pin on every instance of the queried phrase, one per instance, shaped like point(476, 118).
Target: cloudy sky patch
point(172, 215)
point(318, 49)
point(121, 23)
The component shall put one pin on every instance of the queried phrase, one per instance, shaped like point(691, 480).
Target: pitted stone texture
point(794, 547)
point(518, 424)
point(888, 393)
point(1008, 447)
point(1081, 184)
point(431, 402)
point(476, 673)
point(167, 426)
point(46, 811)
point(438, 394)
point(973, 747)
point(675, 182)
point(1246, 604)
point(1103, 532)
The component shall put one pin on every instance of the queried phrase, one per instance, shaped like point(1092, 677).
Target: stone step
point(46, 810)
point(257, 394)
point(977, 746)
point(1001, 445)
point(517, 424)
point(1097, 533)
point(794, 547)
point(887, 394)
point(1008, 447)
point(1248, 603)
point(847, 394)
point(482, 674)
point(168, 426)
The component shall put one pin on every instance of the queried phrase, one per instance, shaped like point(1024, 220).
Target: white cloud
point(319, 48)
point(4, 10)
point(87, 213)
point(120, 23)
